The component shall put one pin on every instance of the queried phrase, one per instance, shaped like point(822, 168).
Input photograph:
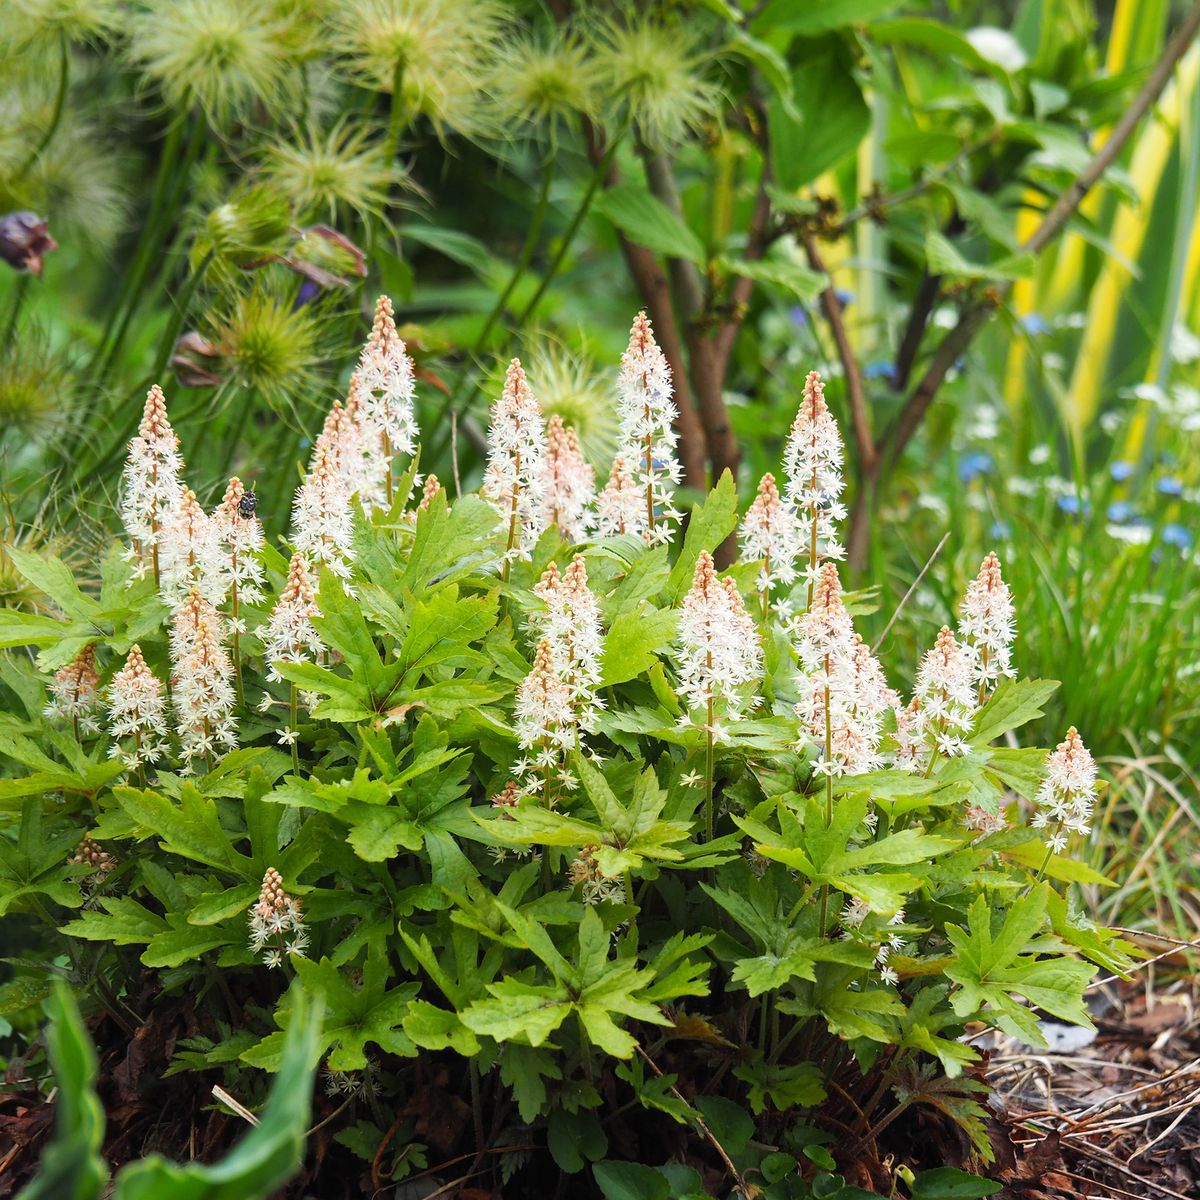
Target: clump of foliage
point(542, 805)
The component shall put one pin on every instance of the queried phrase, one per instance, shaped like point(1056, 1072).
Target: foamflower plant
point(536, 797)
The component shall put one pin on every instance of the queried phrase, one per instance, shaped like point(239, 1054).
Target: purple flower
point(1121, 471)
point(1120, 512)
point(1169, 485)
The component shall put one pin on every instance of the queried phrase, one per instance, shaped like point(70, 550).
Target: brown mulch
point(1113, 1119)
point(1109, 1116)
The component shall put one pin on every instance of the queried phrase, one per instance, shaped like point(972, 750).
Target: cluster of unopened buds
point(594, 886)
point(98, 861)
point(276, 924)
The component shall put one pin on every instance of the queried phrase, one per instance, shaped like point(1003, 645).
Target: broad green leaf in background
point(268, 1156)
point(835, 117)
point(649, 222)
point(71, 1166)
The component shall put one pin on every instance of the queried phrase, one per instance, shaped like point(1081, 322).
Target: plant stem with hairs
point(60, 99)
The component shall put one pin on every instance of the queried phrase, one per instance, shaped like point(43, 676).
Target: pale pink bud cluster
point(385, 372)
point(74, 690)
point(351, 448)
point(988, 624)
point(621, 504)
point(568, 482)
point(93, 856)
point(570, 621)
point(844, 694)
point(647, 412)
point(150, 479)
point(276, 923)
point(513, 481)
point(191, 555)
point(812, 461)
point(718, 652)
point(290, 636)
point(771, 534)
point(137, 709)
point(241, 535)
point(202, 683)
point(543, 715)
point(945, 690)
point(321, 517)
point(1068, 791)
point(429, 492)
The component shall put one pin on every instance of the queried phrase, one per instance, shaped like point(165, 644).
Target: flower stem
point(180, 316)
point(708, 775)
point(294, 721)
point(60, 99)
point(524, 258)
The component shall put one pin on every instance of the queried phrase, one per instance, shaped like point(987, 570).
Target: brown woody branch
point(860, 417)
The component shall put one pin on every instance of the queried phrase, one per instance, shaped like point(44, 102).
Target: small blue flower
point(798, 315)
point(1121, 471)
point(1120, 511)
point(1000, 531)
point(1035, 323)
point(1169, 485)
point(1070, 504)
point(844, 297)
point(1177, 535)
point(879, 369)
point(974, 465)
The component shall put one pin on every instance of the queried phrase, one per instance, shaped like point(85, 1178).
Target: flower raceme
point(513, 481)
point(844, 693)
point(945, 691)
point(385, 375)
point(150, 480)
point(988, 625)
point(74, 690)
point(812, 462)
point(137, 709)
point(647, 412)
point(276, 923)
point(771, 534)
point(1068, 791)
point(570, 622)
point(241, 535)
point(719, 653)
point(568, 482)
point(289, 636)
